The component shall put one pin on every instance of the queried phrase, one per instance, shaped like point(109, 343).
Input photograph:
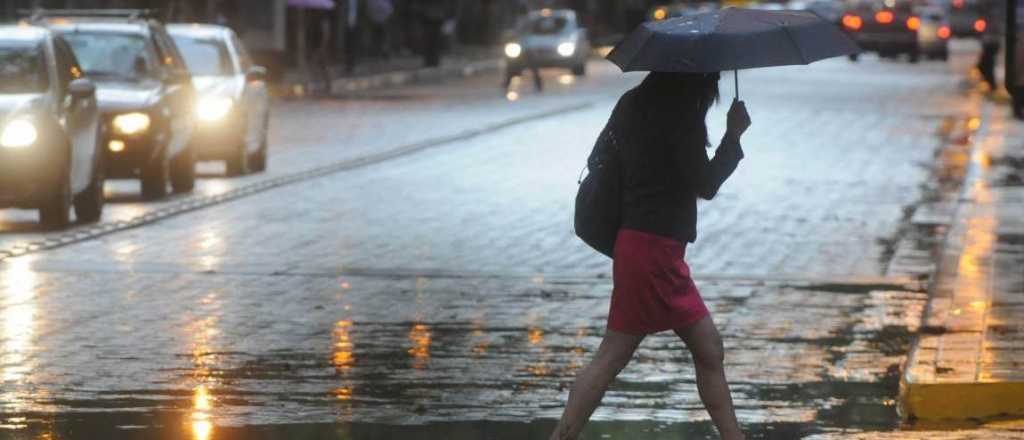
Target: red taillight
point(958, 4)
point(852, 22)
point(884, 17)
point(944, 32)
point(913, 23)
point(980, 25)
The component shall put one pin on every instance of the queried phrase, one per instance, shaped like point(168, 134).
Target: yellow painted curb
point(961, 401)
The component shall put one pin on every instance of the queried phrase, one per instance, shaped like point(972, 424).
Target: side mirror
point(81, 89)
point(256, 73)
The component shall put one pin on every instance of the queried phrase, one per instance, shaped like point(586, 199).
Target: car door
point(179, 93)
point(255, 98)
point(79, 117)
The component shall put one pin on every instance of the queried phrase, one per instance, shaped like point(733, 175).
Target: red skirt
point(653, 290)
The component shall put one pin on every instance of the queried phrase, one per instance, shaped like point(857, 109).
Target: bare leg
point(705, 345)
point(615, 352)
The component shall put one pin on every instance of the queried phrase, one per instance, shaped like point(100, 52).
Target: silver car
point(50, 129)
point(549, 38)
point(232, 102)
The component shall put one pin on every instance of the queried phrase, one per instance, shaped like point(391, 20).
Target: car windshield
point(547, 25)
point(120, 55)
point(205, 56)
point(22, 68)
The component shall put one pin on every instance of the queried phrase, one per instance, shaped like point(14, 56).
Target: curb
point(348, 85)
point(948, 375)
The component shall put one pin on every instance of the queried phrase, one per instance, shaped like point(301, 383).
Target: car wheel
point(56, 210)
point(915, 56)
point(155, 176)
point(580, 69)
point(89, 204)
point(183, 171)
point(238, 165)
point(854, 57)
point(259, 159)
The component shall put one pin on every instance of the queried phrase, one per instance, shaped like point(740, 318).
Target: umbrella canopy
point(731, 39)
point(312, 4)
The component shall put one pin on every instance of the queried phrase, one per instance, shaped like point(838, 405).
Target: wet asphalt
point(407, 269)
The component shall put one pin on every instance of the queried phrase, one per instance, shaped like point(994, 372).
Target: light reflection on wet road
point(301, 313)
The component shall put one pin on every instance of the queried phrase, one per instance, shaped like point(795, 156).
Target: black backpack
point(599, 200)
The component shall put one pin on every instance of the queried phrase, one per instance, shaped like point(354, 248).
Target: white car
point(549, 38)
point(232, 102)
point(50, 129)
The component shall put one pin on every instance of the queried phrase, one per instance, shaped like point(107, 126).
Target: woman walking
point(662, 137)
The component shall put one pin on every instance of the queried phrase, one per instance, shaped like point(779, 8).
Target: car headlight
point(18, 134)
point(513, 50)
point(212, 109)
point(567, 49)
point(131, 123)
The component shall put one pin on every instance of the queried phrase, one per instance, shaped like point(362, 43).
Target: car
point(548, 38)
point(233, 105)
point(145, 94)
point(934, 34)
point(50, 129)
point(676, 10)
point(829, 10)
point(889, 28)
point(967, 17)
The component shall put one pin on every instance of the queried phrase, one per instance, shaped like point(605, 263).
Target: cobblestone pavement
point(442, 294)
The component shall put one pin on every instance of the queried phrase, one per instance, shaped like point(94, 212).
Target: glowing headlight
point(213, 108)
point(131, 123)
point(567, 49)
point(513, 50)
point(18, 134)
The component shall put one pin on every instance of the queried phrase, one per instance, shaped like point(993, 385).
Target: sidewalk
point(969, 360)
point(374, 73)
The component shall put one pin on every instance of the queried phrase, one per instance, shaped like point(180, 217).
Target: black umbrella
point(731, 39)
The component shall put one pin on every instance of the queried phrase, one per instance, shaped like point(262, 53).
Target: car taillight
point(980, 25)
point(944, 32)
point(958, 4)
point(913, 23)
point(852, 22)
point(884, 17)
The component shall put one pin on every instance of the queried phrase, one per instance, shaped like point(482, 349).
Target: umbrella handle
point(736, 82)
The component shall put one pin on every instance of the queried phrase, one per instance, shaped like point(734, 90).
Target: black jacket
point(665, 166)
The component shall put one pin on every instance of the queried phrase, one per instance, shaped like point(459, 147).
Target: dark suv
point(144, 90)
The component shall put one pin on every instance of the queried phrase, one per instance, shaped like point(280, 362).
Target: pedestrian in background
point(433, 14)
point(351, 34)
point(380, 12)
point(661, 134)
point(991, 41)
point(320, 56)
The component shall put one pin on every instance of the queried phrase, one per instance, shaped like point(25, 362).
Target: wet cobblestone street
point(441, 293)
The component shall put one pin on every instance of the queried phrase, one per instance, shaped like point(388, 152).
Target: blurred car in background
point(144, 90)
point(49, 129)
point(889, 28)
point(829, 10)
point(967, 17)
point(935, 32)
point(548, 38)
point(232, 105)
point(676, 10)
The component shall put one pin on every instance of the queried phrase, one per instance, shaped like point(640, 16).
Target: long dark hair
point(679, 100)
